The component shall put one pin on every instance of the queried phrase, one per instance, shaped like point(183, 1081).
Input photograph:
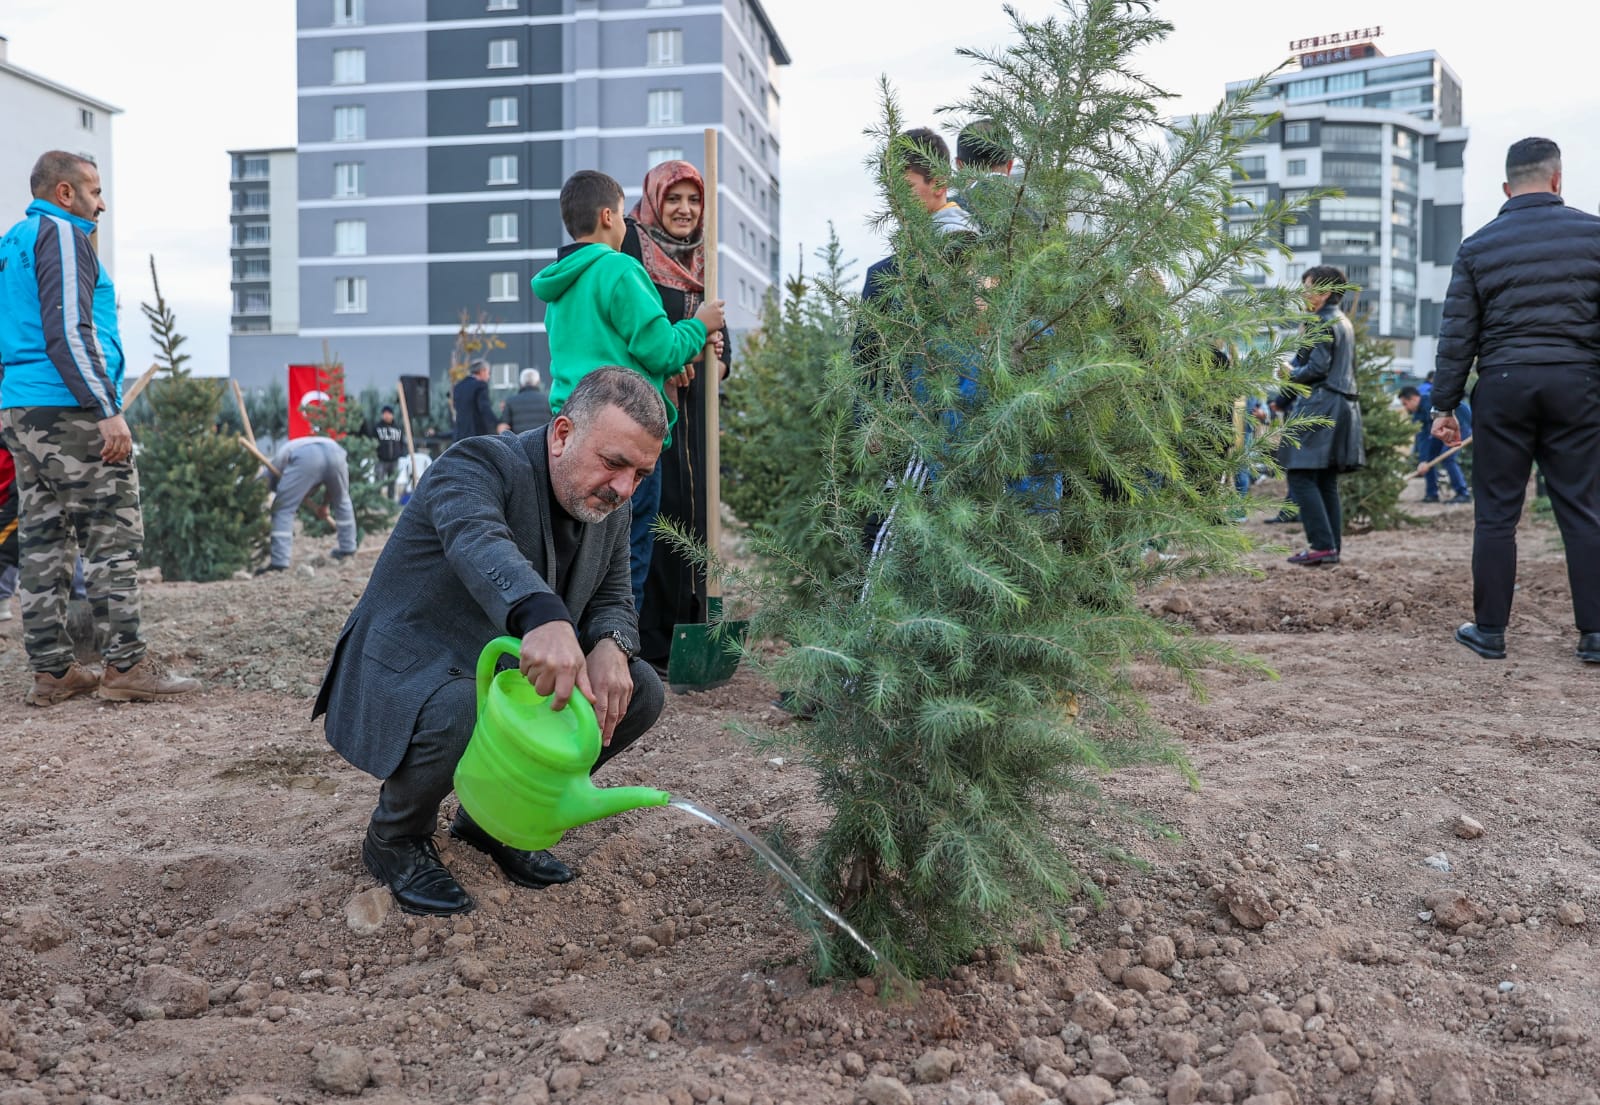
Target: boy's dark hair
point(927, 154)
point(1319, 276)
point(1409, 392)
point(583, 196)
point(983, 144)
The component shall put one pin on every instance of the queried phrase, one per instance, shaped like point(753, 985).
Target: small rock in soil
point(1347, 1059)
point(1383, 1091)
point(1146, 980)
point(40, 929)
point(1232, 979)
point(343, 1070)
point(883, 1090)
point(641, 945)
point(1248, 903)
point(935, 1066)
point(585, 1043)
point(1452, 1089)
point(1250, 1056)
point(658, 1030)
point(1158, 953)
point(1570, 913)
point(1467, 828)
point(1094, 1011)
point(1035, 1051)
point(1184, 1087)
point(365, 913)
point(163, 991)
point(1110, 1064)
point(1089, 1089)
point(1021, 1091)
point(566, 1079)
point(1452, 909)
point(1438, 861)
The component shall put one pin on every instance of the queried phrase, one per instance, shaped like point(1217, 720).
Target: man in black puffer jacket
point(1524, 301)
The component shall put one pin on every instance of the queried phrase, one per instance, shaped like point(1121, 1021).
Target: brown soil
point(1278, 952)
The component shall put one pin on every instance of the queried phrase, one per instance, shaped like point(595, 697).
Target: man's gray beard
point(585, 513)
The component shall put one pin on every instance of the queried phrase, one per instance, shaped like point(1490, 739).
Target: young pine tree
point(1048, 427)
point(1371, 496)
point(778, 415)
point(204, 514)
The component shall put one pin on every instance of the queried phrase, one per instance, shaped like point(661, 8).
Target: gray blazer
point(473, 541)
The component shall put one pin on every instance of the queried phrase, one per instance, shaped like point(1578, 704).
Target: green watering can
point(524, 777)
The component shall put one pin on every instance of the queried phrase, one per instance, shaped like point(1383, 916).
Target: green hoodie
point(602, 309)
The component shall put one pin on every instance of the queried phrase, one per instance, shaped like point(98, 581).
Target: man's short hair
point(386, 409)
point(927, 154)
point(529, 378)
point(1532, 161)
point(583, 196)
point(478, 365)
point(1319, 276)
point(1409, 392)
point(984, 144)
point(614, 386)
point(54, 167)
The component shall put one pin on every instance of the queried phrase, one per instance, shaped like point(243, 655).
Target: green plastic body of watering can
point(524, 777)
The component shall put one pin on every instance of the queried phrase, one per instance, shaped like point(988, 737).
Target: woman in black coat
point(666, 233)
point(1313, 464)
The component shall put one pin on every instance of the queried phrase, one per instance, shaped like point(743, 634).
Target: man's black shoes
point(1589, 648)
point(535, 870)
point(410, 867)
point(1491, 646)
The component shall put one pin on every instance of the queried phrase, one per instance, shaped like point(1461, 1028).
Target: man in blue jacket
point(61, 412)
point(1429, 448)
point(1524, 303)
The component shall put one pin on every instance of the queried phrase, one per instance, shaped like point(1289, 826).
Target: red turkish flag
point(308, 386)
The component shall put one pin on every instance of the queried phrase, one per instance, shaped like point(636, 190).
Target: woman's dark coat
point(1328, 368)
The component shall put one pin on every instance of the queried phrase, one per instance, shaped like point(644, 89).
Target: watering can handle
point(488, 658)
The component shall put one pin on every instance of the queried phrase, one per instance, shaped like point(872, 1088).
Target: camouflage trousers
point(71, 500)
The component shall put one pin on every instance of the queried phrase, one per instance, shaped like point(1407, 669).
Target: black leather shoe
point(412, 870)
point(1589, 648)
point(1491, 646)
point(535, 870)
point(340, 554)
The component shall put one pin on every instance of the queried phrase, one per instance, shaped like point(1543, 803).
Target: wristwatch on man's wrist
point(1437, 413)
point(618, 638)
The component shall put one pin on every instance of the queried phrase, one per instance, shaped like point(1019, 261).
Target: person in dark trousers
point(1313, 465)
point(391, 441)
point(666, 234)
point(526, 536)
point(474, 414)
point(1524, 304)
point(1429, 448)
point(529, 408)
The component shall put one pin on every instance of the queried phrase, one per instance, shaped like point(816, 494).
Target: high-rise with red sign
point(1388, 133)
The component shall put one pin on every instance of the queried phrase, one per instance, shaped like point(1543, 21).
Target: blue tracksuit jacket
point(58, 316)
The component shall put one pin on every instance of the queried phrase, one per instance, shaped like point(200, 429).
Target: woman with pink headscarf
point(666, 233)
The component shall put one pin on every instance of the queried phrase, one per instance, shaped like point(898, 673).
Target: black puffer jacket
point(1328, 368)
point(1525, 292)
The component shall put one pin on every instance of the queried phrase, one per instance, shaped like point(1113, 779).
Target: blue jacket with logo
point(58, 316)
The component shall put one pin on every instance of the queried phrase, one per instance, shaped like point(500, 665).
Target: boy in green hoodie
point(601, 308)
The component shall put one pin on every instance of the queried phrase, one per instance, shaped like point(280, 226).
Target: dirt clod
point(165, 992)
point(585, 1043)
point(880, 1089)
point(343, 1070)
point(935, 1065)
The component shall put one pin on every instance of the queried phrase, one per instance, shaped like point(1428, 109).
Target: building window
point(664, 48)
point(503, 111)
point(503, 169)
point(1360, 173)
point(1296, 132)
point(1243, 128)
point(502, 228)
point(252, 302)
point(1294, 272)
point(1297, 237)
point(1350, 241)
point(350, 66)
point(1356, 209)
point(253, 268)
point(349, 13)
point(349, 124)
point(1405, 145)
point(1253, 166)
point(1348, 138)
point(658, 154)
point(253, 234)
point(502, 287)
point(1248, 200)
point(502, 53)
point(350, 237)
point(350, 295)
point(665, 107)
point(1405, 281)
point(1404, 248)
point(85, 118)
point(503, 374)
point(663, 3)
point(1403, 213)
point(254, 168)
point(254, 200)
point(502, 5)
point(1296, 166)
point(349, 179)
point(1404, 176)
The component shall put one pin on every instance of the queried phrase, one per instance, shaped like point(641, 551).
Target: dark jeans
point(408, 804)
point(1549, 414)
point(646, 504)
point(1316, 492)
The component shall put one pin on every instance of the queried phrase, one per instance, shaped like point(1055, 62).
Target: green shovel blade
point(705, 656)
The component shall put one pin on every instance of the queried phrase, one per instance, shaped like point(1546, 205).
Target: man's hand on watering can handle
point(553, 661)
point(613, 686)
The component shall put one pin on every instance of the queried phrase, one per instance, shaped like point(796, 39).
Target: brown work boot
point(146, 681)
point(49, 689)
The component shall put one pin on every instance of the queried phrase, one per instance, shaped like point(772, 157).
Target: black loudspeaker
point(416, 389)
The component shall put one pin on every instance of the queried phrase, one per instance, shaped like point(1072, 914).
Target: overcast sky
point(199, 77)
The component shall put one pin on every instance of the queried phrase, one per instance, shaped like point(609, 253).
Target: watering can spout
point(587, 802)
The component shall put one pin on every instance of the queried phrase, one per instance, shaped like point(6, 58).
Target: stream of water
point(787, 873)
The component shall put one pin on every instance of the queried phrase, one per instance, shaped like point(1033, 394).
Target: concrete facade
point(447, 127)
point(1388, 133)
point(43, 115)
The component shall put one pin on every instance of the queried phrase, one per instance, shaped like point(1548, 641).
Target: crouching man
point(526, 536)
